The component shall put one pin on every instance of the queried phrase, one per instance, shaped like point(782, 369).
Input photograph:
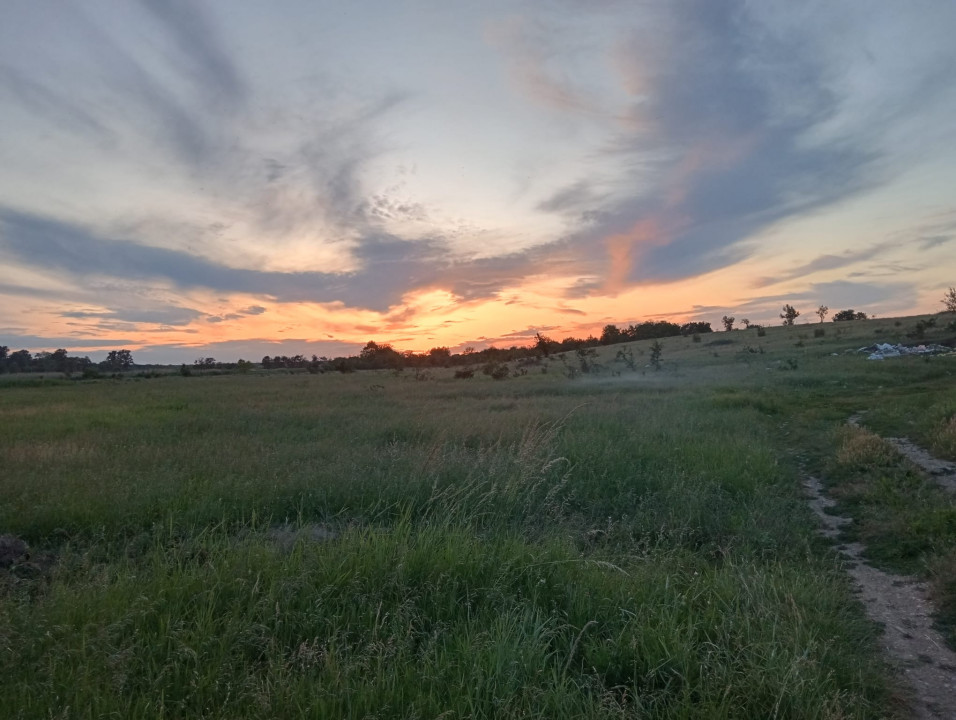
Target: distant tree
point(850, 314)
point(949, 300)
point(822, 312)
point(656, 351)
point(19, 361)
point(204, 363)
point(544, 345)
point(59, 361)
point(439, 356)
point(611, 334)
point(746, 323)
point(117, 360)
point(789, 314)
point(244, 366)
point(692, 328)
point(378, 356)
point(266, 363)
point(728, 322)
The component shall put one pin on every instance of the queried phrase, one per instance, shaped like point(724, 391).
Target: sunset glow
point(237, 179)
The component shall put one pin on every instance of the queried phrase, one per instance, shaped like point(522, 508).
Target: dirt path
point(900, 603)
point(944, 472)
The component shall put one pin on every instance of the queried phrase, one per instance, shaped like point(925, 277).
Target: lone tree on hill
point(822, 312)
point(789, 314)
point(728, 322)
point(949, 300)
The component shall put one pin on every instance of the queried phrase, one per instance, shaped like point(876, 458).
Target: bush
point(496, 370)
point(464, 374)
point(819, 332)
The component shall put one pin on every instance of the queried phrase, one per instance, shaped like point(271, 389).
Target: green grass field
point(627, 543)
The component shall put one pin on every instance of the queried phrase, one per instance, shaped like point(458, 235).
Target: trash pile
point(881, 351)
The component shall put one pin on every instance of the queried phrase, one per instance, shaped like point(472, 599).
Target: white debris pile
point(881, 351)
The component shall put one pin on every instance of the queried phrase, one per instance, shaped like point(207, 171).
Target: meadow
point(613, 543)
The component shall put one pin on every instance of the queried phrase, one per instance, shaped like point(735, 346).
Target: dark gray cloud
point(928, 243)
point(36, 343)
point(829, 261)
point(576, 198)
point(172, 315)
point(181, 107)
point(392, 265)
point(838, 294)
point(236, 315)
point(199, 47)
point(733, 156)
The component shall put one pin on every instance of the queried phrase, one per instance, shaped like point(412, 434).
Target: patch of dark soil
point(13, 550)
point(18, 561)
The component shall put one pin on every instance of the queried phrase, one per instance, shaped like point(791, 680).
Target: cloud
point(836, 294)
point(575, 198)
point(236, 315)
point(390, 266)
point(158, 316)
point(731, 101)
point(200, 51)
point(830, 261)
point(534, 63)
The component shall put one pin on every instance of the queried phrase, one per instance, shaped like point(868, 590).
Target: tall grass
point(536, 548)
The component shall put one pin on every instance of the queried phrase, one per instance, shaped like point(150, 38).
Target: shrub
point(496, 370)
point(464, 374)
point(819, 332)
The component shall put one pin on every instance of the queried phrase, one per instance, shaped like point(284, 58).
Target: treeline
point(374, 356)
point(382, 356)
point(23, 361)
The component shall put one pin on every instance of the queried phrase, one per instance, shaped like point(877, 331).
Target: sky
point(233, 178)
